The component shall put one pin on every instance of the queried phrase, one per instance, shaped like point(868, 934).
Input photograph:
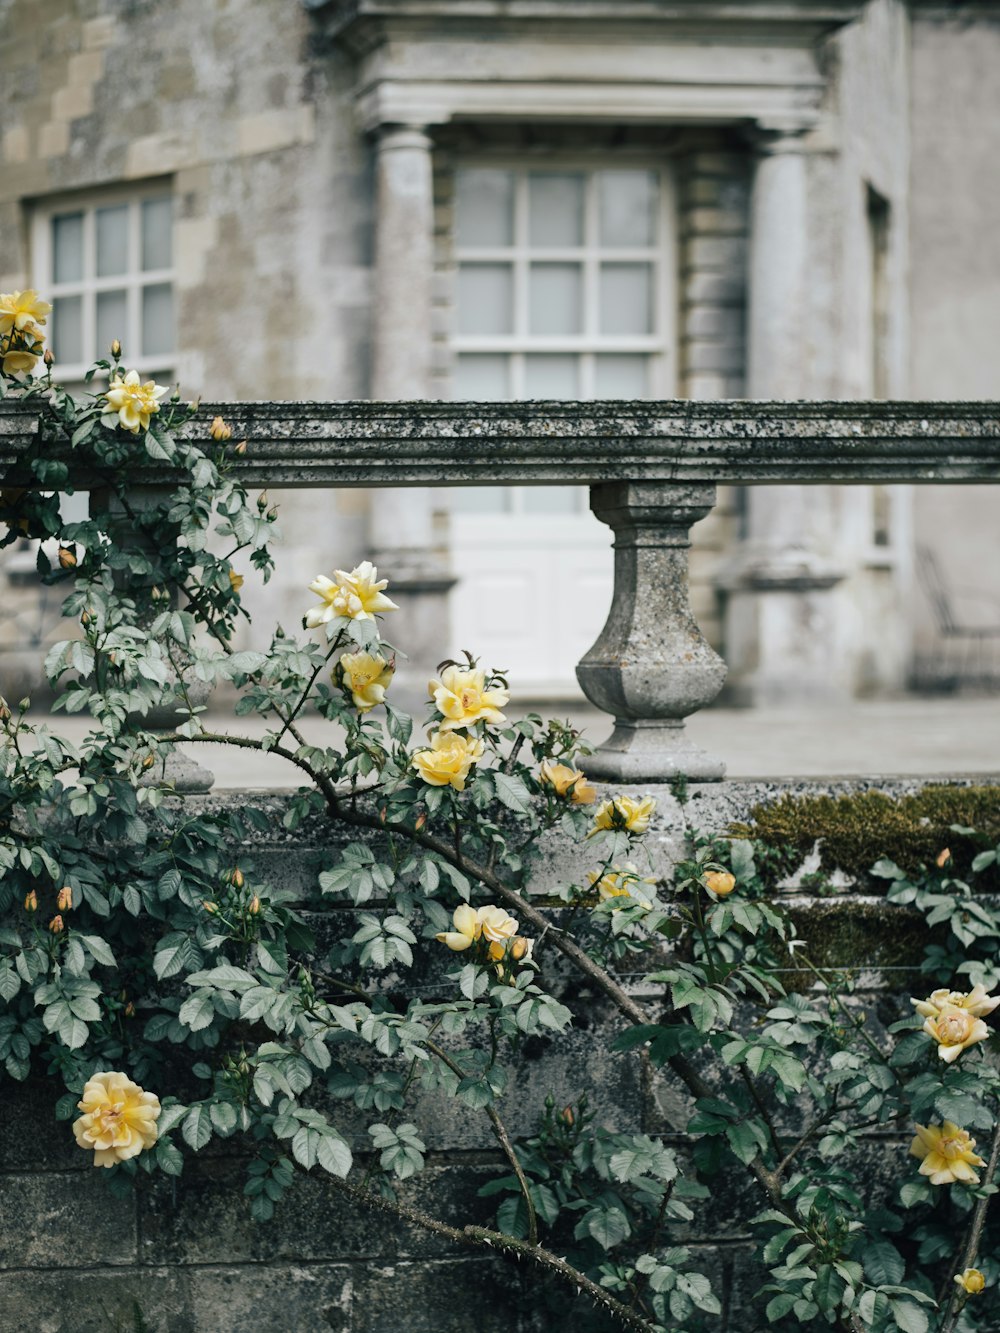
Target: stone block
point(717, 356)
point(725, 253)
point(713, 321)
point(706, 221)
point(53, 138)
point(59, 1219)
point(293, 1298)
point(101, 1300)
point(450, 1296)
point(701, 288)
point(50, 1145)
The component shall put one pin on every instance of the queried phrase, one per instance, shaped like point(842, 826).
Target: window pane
point(481, 379)
point(626, 304)
point(112, 240)
point(157, 319)
point(112, 321)
point(556, 304)
point(553, 499)
point(485, 298)
point(156, 233)
point(484, 208)
point(67, 329)
point(555, 208)
point(67, 247)
point(628, 207)
point(551, 377)
point(621, 377)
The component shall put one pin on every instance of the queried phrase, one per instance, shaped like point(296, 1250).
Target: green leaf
point(511, 792)
point(197, 1127)
point(224, 1117)
point(910, 1318)
point(333, 1154)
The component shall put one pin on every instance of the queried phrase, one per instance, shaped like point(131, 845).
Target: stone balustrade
point(652, 468)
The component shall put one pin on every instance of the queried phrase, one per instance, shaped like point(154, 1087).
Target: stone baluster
point(183, 773)
point(651, 666)
point(401, 534)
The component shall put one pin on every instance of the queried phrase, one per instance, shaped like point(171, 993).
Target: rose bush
point(177, 996)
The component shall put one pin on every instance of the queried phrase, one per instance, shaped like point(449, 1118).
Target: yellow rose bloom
point(447, 760)
point(462, 699)
point(975, 1001)
point(624, 813)
point(219, 430)
point(496, 925)
point(119, 1118)
point(235, 580)
point(357, 595)
point(954, 1030)
point(467, 929)
point(971, 1281)
point(367, 677)
point(567, 782)
point(131, 402)
point(947, 1154)
point(18, 361)
point(721, 882)
point(20, 310)
point(620, 882)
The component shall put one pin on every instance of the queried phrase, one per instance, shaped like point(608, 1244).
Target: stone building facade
point(538, 198)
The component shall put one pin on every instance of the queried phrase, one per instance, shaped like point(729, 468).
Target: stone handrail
point(652, 468)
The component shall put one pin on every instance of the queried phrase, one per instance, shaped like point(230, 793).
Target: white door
point(564, 291)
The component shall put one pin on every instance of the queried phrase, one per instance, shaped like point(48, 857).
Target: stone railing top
point(441, 443)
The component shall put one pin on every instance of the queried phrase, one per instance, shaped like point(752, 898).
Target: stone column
point(401, 536)
point(780, 629)
point(651, 666)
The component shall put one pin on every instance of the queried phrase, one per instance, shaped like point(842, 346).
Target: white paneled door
point(564, 291)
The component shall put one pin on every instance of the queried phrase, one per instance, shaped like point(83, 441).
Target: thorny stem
point(975, 1236)
point(502, 1137)
point(484, 1238)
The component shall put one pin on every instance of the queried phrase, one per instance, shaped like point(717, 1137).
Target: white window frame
point(132, 281)
point(660, 345)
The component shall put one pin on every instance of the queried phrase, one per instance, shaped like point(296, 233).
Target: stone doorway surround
point(754, 71)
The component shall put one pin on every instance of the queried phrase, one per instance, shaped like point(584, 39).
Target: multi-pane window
point(107, 266)
point(561, 283)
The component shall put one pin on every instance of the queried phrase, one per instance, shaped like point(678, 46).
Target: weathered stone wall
point(185, 1254)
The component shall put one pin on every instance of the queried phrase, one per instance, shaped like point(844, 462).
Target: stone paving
point(903, 737)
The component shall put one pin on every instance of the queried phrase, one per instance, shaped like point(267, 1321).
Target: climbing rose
point(947, 1153)
point(620, 882)
point(496, 924)
point(447, 761)
point(624, 813)
point(467, 929)
point(971, 1281)
point(367, 677)
point(954, 1030)
point(119, 1118)
point(357, 595)
point(22, 312)
point(975, 1001)
point(721, 882)
point(567, 782)
point(463, 700)
point(131, 402)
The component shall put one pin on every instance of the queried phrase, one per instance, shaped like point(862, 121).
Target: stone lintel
point(342, 444)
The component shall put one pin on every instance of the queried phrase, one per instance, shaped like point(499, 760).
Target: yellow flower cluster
point(954, 1019)
point(491, 926)
point(462, 699)
point(567, 781)
point(946, 1154)
point(130, 403)
point(22, 315)
point(357, 595)
point(119, 1118)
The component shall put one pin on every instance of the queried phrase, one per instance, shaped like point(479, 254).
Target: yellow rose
point(720, 882)
point(17, 361)
point(357, 595)
point(954, 1030)
point(119, 1119)
point(367, 678)
point(496, 925)
point(567, 782)
point(446, 762)
point(20, 310)
point(975, 1001)
point(462, 699)
point(947, 1154)
point(971, 1281)
point(620, 882)
point(520, 949)
point(235, 580)
point(131, 402)
point(624, 813)
point(467, 929)
point(219, 430)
